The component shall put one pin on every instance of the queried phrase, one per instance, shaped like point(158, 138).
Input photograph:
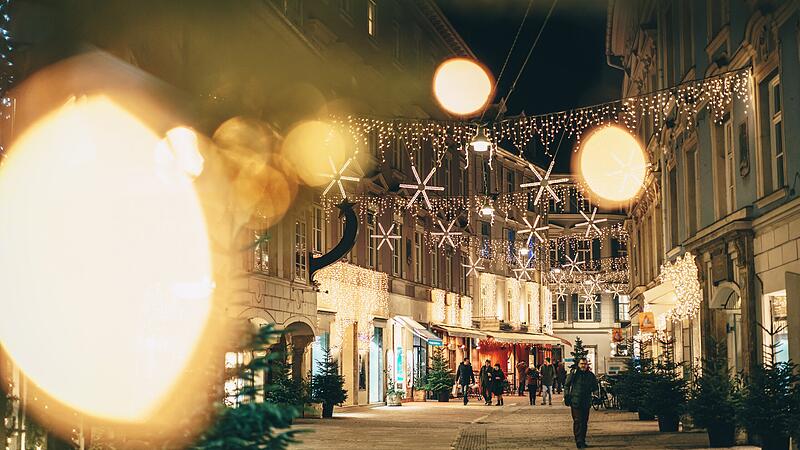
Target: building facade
point(723, 187)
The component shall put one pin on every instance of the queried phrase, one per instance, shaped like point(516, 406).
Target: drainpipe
point(609, 19)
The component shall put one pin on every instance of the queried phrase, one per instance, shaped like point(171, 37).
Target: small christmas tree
point(578, 352)
point(666, 391)
point(327, 387)
point(440, 380)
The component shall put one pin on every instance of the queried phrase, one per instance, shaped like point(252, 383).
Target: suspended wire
point(508, 55)
point(524, 63)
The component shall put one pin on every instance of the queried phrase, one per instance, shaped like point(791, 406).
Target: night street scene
point(399, 224)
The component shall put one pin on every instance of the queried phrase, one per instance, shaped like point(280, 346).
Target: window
point(418, 256)
point(435, 270)
point(397, 153)
point(372, 243)
point(372, 18)
point(446, 176)
point(362, 372)
point(486, 236)
point(318, 231)
point(397, 255)
point(691, 189)
point(300, 256)
point(485, 176)
point(776, 134)
point(464, 277)
point(448, 275)
point(554, 261)
point(509, 181)
point(623, 306)
point(776, 315)
point(730, 168)
point(583, 251)
point(718, 16)
point(554, 312)
point(586, 309)
point(673, 206)
point(396, 37)
point(511, 236)
point(687, 47)
point(686, 346)
point(261, 253)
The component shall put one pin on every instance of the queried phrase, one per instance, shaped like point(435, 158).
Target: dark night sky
point(568, 66)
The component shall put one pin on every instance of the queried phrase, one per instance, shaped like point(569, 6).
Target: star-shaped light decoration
point(572, 265)
point(421, 187)
point(524, 269)
point(557, 276)
point(615, 289)
point(473, 266)
point(533, 230)
point(544, 183)
point(588, 299)
point(626, 171)
point(385, 236)
point(592, 284)
point(446, 234)
point(591, 222)
point(561, 293)
point(337, 176)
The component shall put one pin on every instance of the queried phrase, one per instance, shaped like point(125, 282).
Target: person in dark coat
point(561, 377)
point(548, 374)
point(485, 377)
point(532, 381)
point(578, 391)
point(522, 369)
point(498, 378)
point(465, 378)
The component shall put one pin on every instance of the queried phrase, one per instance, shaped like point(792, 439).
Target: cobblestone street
point(433, 425)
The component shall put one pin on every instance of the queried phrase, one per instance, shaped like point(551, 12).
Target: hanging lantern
point(487, 210)
point(480, 143)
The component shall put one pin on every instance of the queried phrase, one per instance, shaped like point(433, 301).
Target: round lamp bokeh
point(462, 86)
point(612, 164)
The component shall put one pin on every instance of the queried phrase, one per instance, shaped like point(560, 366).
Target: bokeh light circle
point(612, 164)
point(462, 86)
point(107, 278)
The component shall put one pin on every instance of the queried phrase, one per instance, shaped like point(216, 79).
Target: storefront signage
point(647, 323)
point(616, 335)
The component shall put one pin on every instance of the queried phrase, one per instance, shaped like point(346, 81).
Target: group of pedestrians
point(577, 386)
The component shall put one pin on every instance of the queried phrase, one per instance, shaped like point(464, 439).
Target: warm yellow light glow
point(612, 164)
point(462, 86)
point(313, 147)
point(106, 277)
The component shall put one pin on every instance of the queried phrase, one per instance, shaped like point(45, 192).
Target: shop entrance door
point(376, 367)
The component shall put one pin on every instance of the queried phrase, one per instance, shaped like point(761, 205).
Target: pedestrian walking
point(578, 391)
point(498, 378)
point(522, 368)
point(532, 381)
point(561, 376)
point(465, 378)
point(547, 373)
point(485, 376)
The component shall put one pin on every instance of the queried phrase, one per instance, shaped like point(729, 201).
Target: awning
point(462, 332)
point(660, 299)
point(419, 330)
point(523, 338)
point(563, 341)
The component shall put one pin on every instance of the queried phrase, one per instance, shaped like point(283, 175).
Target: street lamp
point(487, 210)
point(480, 143)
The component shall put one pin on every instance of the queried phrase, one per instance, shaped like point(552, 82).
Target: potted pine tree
point(440, 380)
point(632, 386)
point(418, 388)
point(666, 391)
point(394, 397)
point(769, 405)
point(327, 387)
point(712, 400)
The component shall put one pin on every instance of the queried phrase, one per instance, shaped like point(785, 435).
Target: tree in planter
point(247, 424)
point(440, 380)
point(284, 390)
point(666, 391)
point(327, 387)
point(769, 405)
point(578, 352)
point(712, 399)
point(631, 386)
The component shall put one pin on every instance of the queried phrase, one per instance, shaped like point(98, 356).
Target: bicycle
point(601, 397)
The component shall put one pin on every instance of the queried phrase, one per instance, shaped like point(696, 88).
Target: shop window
point(300, 255)
point(775, 313)
point(362, 373)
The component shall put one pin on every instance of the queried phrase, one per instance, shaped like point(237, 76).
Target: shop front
point(407, 359)
point(510, 348)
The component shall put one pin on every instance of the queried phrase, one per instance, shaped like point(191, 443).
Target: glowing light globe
point(462, 86)
point(612, 164)
point(106, 279)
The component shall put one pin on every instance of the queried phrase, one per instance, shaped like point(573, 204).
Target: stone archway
point(726, 315)
point(299, 335)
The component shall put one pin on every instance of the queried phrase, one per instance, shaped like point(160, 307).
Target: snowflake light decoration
point(446, 233)
point(421, 187)
point(544, 183)
point(533, 230)
point(337, 176)
point(385, 236)
point(473, 266)
point(683, 276)
point(524, 269)
point(572, 265)
point(591, 222)
point(592, 284)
